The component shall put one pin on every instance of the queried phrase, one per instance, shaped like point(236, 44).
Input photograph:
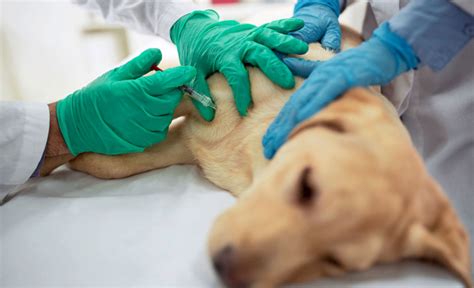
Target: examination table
point(73, 230)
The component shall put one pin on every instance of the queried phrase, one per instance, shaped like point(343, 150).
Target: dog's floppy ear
point(444, 241)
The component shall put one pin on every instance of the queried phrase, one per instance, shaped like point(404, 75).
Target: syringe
point(204, 100)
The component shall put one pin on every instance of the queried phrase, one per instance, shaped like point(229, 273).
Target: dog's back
point(231, 143)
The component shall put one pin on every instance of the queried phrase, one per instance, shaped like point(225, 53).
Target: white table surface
point(71, 229)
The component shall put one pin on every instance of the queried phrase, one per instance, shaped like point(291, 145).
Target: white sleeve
point(24, 131)
point(151, 17)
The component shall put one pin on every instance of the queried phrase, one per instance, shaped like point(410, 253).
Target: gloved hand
point(375, 62)
point(320, 22)
point(121, 111)
point(211, 45)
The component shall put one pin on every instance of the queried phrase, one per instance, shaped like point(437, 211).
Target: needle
point(204, 100)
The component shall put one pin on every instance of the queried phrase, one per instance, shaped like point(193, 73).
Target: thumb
point(301, 67)
point(310, 32)
point(139, 65)
point(164, 81)
point(332, 37)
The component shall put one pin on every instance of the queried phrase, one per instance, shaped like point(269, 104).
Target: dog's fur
point(347, 190)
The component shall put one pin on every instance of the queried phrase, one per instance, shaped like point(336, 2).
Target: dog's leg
point(171, 151)
point(51, 163)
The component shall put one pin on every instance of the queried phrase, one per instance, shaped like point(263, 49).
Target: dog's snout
point(225, 265)
point(223, 261)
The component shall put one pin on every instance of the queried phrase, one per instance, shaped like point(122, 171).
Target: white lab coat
point(438, 110)
point(151, 17)
point(23, 135)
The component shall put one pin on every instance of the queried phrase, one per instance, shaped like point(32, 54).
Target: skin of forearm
point(56, 152)
point(55, 145)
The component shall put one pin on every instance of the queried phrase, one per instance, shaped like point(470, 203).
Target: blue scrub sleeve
point(334, 5)
point(436, 29)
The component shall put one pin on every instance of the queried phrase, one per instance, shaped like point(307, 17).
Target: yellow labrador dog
point(347, 190)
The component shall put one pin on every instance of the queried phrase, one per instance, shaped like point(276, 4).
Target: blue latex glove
point(375, 62)
point(320, 22)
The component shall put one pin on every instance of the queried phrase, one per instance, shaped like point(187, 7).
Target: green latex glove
point(211, 45)
point(121, 111)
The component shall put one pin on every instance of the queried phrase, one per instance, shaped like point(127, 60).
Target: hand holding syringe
point(203, 99)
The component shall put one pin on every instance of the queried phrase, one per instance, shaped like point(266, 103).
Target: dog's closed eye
point(333, 261)
point(306, 190)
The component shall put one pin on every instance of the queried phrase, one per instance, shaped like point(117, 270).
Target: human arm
point(56, 152)
point(120, 112)
point(30, 141)
point(55, 146)
point(436, 29)
point(375, 62)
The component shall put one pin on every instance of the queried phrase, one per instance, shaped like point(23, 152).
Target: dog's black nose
point(223, 261)
point(225, 264)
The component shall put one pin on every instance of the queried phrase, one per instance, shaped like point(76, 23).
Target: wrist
point(397, 45)
point(185, 21)
point(333, 5)
point(56, 145)
point(437, 30)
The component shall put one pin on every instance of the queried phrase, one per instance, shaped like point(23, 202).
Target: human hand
point(212, 46)
point(121, 111)
point(375, 62)
point(320, 23)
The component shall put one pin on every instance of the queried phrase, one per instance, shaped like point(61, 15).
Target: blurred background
point(51, 48)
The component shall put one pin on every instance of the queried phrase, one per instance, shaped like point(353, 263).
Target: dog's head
point(346, 191)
